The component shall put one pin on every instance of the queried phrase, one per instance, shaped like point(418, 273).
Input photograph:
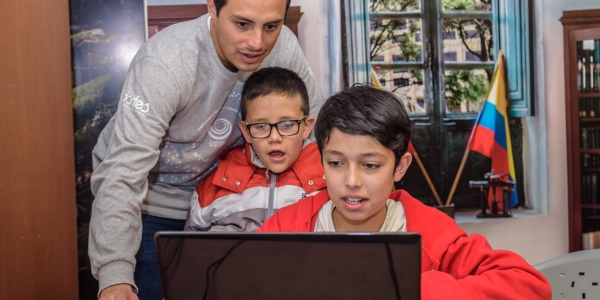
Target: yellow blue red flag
point(491, 136)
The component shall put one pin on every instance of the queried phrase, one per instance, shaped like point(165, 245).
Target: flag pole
point(460, 169)
point(420, 163)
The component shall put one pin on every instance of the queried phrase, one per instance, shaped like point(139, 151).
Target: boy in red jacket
point(276, 166)
point(363, 134)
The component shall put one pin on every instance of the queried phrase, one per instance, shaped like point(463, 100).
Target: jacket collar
point(237, 166)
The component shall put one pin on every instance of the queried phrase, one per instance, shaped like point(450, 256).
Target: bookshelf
point(581, 34)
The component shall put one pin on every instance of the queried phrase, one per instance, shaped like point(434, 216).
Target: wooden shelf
point(590, 151)
point(595, 206)
point(589, 120)
point(588, 95)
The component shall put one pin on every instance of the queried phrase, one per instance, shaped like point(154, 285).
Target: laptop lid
point(202, 265)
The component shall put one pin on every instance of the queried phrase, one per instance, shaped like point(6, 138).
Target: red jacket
point(453, 265)
point(237, 196)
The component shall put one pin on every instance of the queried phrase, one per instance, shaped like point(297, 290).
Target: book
point(585, 188)
point(586, 241)
point(592, 137)
point(594, 193)
point(594, 189)
point(586, 160)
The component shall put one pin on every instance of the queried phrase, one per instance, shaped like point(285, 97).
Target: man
point(178, 110)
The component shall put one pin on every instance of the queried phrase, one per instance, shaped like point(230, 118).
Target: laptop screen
point(200, 265)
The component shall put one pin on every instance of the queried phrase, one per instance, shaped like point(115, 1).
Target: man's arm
point(149, 99)
point(471, 269)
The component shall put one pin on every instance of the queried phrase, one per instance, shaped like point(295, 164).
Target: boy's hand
point(118, 292)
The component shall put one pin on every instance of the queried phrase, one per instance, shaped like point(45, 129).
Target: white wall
point(318, 35)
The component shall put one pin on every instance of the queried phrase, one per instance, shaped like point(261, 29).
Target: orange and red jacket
point(239, 195)
point(453, 264)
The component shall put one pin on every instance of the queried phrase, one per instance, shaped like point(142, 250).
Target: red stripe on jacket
point(236, 173)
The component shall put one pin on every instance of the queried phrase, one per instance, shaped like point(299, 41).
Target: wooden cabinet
point(582, 96)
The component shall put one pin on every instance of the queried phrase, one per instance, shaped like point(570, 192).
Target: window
point(471, 34)
point(379, 58)
point(397, 58)
point(472, 57)
point(400, 82)
point(449, 56)
point(449, 35)
point(443, 77)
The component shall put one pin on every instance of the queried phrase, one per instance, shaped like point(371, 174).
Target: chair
point(575, 275)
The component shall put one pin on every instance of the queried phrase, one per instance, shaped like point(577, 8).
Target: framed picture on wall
point(105, 36)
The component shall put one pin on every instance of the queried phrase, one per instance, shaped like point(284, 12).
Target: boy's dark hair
point(274, 80)
point(367, 111)
point(220, 3)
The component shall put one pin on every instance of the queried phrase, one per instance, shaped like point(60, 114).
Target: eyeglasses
point(284, 128)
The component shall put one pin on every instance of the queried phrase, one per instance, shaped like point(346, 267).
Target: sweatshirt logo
point(136, 104)
point(220, 130)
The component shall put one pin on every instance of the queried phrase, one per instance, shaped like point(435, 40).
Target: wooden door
point(38, 251)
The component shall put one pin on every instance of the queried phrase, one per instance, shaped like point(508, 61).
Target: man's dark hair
point(366, 111)
point(220, 3)
point(274, 80)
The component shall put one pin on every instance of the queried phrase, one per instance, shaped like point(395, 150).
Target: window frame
point(511, 33)
point(510, 18)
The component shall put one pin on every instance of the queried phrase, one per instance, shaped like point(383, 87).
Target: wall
point(320, 40)
point(37, 185)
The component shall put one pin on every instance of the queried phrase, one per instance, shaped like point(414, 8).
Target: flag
point(491, 136)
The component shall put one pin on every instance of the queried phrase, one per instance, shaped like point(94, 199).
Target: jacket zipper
point(271, 200)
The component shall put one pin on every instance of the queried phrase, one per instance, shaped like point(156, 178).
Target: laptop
point(206, 265)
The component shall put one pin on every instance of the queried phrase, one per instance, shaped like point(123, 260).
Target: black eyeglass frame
point(271, 125)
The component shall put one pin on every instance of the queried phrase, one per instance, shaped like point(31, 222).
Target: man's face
point(360, 174)
point(245, 31)
point(276, 152)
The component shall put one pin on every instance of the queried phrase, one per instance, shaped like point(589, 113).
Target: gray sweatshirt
point(179, 108)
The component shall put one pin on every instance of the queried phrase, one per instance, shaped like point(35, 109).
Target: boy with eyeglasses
point(277, 166)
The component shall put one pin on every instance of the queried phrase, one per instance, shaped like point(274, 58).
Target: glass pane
point(395, 40)
point(394, 5)
point(588, 66)
point(480, 5)
point(466, 90)
point(468, 40)
point(407, 85)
